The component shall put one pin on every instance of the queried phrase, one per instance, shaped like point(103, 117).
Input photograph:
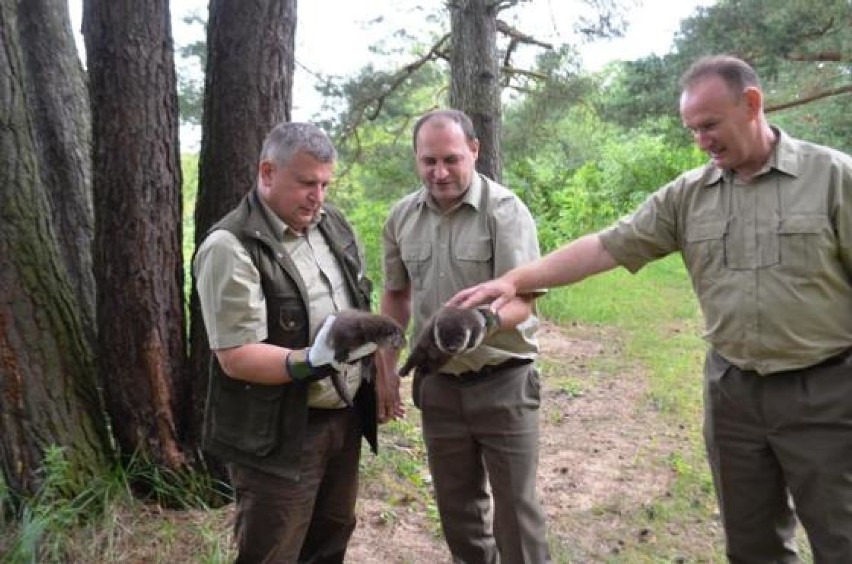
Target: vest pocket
point(247, 416)
point(291, 317)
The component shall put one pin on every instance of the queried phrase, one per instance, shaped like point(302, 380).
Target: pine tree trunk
point(48, 391)
point(62, 122)
point(138, 252)
point(248, 91)
point(475, 80)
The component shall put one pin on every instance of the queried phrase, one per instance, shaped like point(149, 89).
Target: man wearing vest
point(271, 275)
point(480, 410)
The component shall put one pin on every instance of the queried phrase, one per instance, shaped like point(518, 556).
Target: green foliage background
point(567, 195)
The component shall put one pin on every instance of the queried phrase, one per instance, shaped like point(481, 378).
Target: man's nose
point(317, 192)
point(703, 140)
point(440, 171)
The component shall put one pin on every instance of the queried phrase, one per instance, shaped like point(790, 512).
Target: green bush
point(367, 218)
point(569, 203)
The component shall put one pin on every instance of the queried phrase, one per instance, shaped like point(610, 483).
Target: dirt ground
point(602, 457)
point(603, 462)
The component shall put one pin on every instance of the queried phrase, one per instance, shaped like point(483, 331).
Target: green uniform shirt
point(438, 254)
point(236, 305)
point(770, 260)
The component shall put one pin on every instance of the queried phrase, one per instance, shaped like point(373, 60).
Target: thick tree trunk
point(48, 392)
point(475, 79)
point(62, 122)
point(248, 90)
point(138, 262)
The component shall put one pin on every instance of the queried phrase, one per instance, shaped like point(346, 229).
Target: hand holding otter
point(344, 338)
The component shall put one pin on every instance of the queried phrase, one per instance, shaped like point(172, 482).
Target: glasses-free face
point(724, 124)
point(445, 160)
point(295, 191)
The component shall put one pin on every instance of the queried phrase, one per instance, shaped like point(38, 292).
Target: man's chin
point(302, 222)
point(446, 191)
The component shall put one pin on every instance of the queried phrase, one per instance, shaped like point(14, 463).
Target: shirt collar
point(783, 159)
point(280, 227)
point(785, 154)
point(471, 195)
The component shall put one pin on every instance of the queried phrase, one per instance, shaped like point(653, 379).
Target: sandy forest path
point(602, 460)
point(606, 476)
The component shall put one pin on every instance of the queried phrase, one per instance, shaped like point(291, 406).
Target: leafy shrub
point(569, 203)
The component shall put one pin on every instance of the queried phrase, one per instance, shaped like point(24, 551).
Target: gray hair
point(288, 138)
point(456, 116)
point(736, 73)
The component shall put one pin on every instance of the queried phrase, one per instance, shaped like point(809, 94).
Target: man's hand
point(343, 338)
point(317, 361)
point(497, 292)
point(388, 402)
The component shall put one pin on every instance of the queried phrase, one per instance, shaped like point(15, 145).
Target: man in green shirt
point(765, 231)
point(480, 412)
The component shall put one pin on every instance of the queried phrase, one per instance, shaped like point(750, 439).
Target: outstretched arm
point(568, 264)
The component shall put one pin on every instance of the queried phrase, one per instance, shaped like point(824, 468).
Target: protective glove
point(450, 331)
point(343, 338)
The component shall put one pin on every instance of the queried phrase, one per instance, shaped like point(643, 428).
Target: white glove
point(321, 352)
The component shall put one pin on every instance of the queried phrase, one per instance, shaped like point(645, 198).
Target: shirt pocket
point(704, 251)
point(804, 241)
point(417, 258)
point(474, 260)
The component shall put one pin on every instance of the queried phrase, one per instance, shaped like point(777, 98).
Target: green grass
point(98, 523)
point(398, 474)
point(659, 315)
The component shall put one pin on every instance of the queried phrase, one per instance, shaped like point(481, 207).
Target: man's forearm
point(569, 264)
point(516, 311)
point(256, 362)
point(397, 306)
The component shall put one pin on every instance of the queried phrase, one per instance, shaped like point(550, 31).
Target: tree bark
point(62, 121)
point(48, 391)
point(475, 76)
point(248, 91)
point(138, 263)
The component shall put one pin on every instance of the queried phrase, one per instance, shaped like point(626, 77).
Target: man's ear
point(266, 168)
point(474, 148)
point(754, 100)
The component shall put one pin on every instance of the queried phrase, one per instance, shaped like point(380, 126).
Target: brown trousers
point(485, 432)
point(282, 521)
point(780, 446)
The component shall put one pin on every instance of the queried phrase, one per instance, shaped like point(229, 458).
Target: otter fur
point(449, 331)
point(354, 328)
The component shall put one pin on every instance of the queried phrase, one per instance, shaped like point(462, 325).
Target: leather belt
point(486, 371)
